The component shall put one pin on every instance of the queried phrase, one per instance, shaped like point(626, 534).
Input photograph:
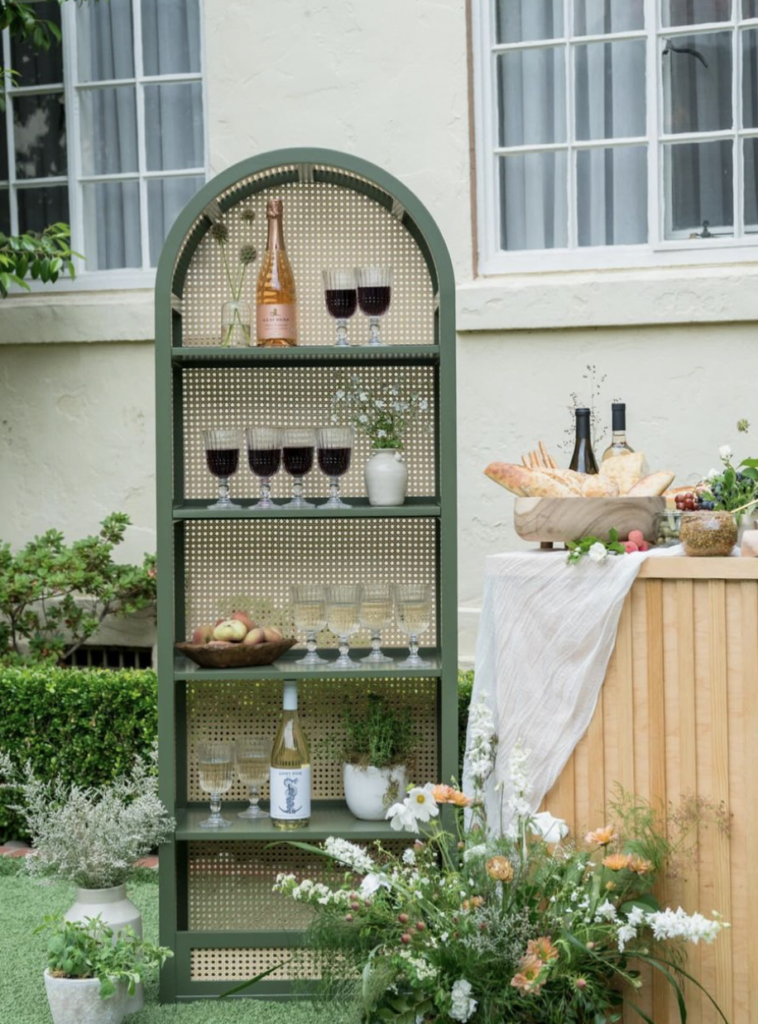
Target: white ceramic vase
point(78, 1001)
point(386, 477)
point(117, 911)
point(366, 789)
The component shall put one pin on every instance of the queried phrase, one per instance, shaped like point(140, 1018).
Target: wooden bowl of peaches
point(236, 642)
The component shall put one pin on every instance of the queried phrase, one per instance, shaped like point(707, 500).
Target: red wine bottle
point(583, 460)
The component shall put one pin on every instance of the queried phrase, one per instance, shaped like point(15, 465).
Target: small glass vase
point(235, 323)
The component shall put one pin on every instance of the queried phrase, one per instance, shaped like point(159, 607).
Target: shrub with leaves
point(377, 735)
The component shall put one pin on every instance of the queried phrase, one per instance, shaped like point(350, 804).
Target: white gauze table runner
point(546, 635)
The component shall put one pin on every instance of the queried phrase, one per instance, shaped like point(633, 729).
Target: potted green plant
point(92, 972)
point(378, 743)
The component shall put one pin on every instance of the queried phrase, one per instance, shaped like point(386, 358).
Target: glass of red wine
point(222, 452)
point(298, 447)
point(264, 453)
point(335, 447)
point(341, 300)
point(374, 291)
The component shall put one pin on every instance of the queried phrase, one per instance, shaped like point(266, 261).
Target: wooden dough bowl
point(563, 519)
point(235, 655)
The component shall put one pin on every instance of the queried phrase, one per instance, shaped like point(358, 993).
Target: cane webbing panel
point(298, 397)
point(231, 884)
point(242, 964)
point(325, 226)
point(251, 564)
point(225, 711)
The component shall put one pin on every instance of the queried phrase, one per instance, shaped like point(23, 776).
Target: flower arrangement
point(236, 273)
point(598, 550)
point(380, 413)
point(733, 488)
point(524, 927)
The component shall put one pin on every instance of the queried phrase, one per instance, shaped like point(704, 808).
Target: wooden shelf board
point(289, 667)
point(197, 508)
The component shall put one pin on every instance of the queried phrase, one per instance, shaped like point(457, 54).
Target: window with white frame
point(105, 132)
point(627, 126)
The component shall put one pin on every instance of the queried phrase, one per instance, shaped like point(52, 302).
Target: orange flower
point(616, 861)
point(527, 979)
point(540, 950)
point(448, 795)
point(500, 868)
point(473, 903)
point(601, 836)
point(639, 865)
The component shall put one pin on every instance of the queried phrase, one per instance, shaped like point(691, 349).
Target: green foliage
point(579, 548)
point(735, 488)
point(54, 596)
point(465, 688)
point(40, 256)
point(80, 726)
point(377, 735)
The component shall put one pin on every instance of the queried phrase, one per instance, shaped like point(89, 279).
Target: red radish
point(637, 537)
point(644, 546)
point(630, 547)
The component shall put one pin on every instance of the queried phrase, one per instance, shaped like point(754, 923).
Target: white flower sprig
point(381, 414)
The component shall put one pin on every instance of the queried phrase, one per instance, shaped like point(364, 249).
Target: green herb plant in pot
point(92, 973)
point(378, 743)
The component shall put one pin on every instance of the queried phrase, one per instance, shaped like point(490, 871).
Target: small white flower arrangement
point(382, 414)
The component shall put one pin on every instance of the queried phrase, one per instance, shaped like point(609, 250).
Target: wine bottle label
point(277, 320)
point(291, 793)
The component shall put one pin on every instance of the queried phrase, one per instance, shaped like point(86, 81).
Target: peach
point(272, 634)
point(255, 636)
point(202, 635)
point(244, 618)
point(230, 629)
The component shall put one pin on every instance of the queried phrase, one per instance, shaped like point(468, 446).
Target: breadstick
point(545, 456)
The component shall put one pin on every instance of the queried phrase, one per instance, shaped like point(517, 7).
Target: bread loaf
point(513, 478)
point(541, 485)
point(626, 470)
point(652, 486)
point(599, 487)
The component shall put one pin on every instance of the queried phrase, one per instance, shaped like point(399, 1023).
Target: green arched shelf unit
point(218, 911)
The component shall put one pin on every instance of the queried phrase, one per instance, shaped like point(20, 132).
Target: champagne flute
point(375, 614)
point(342, 617)
point(335, 448)
point(309, 612)
point(216, 764)
point(264, 453)
point(298, 446)
point(341, 300)
point(222, 452)
point(413, 604)
point(253, 760)
point(374, 292)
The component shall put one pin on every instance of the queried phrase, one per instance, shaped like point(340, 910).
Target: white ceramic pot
point(386, 477)
point(117, 911)
point(78, 1001)
point(367, 789)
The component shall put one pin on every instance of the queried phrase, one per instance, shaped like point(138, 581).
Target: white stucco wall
point(387, 81)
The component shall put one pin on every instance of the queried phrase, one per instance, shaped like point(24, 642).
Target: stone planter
point(78, 1001)
point(369, 791)
point(386, 477)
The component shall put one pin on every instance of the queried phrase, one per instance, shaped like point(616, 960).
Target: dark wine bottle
point(583, 460)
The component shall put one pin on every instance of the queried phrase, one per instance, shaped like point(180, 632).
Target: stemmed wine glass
point(341, 300)
point(374, 290)
point(264, 453)
point(216, 764)
point(375, 614)
point(344, 601)
point(222, 452)
point(309, 611)
point(413, 604)
point(335, 447)
point(253, 760)
point(298, 446)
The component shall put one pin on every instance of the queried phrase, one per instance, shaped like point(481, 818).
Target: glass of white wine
point(375, 614)
point(413, 605)
point(253, 760)
point(342, 617)
point(309, 613)
point(216, 763)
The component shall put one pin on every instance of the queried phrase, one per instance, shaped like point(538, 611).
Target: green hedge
point(84, 725)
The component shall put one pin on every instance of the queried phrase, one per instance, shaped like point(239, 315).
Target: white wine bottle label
point(277, 320)
point(291, 793)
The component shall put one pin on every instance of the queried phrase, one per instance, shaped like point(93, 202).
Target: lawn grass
point(23, 904)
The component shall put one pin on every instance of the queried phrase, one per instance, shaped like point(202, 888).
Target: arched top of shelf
point(291, 166)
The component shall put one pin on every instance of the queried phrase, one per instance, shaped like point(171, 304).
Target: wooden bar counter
point(678, 715)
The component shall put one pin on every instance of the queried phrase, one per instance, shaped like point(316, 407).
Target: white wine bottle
point(290, 768)
point(276, 303)
point(618, 445)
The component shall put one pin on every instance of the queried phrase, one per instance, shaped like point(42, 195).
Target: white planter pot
point(366, 789)
point(117, 911)
point(77, 1001)
point(386, 477)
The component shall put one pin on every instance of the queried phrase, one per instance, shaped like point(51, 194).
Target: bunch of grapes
point(692, 501)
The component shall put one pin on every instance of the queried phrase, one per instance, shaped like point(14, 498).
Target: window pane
point(39, 132)
point(104, 40)
point(599, 17)
point(695, 12)
point(166, 198)
point(750, 8)
point(111, 225)
point(532, 96)
point(612, 196)
point(698, 180)
point(533, 203)
point(520, 20)
point(43, 67)
point(610, 90)
point(174, 126)
point(751, 185)
point(108, 130)
point(750, 79)
point(38, 208)
point(5, 211)
point(697, 83)
point(170, 36)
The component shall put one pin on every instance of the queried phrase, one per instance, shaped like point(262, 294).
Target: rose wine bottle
point(276, 320)
point(583, 460)
point(618, 445)
point(290, 768)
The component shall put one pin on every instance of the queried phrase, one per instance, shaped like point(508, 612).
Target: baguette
point(652, 486)
point(513, 478)
point(596, 486)
point(542, 485)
